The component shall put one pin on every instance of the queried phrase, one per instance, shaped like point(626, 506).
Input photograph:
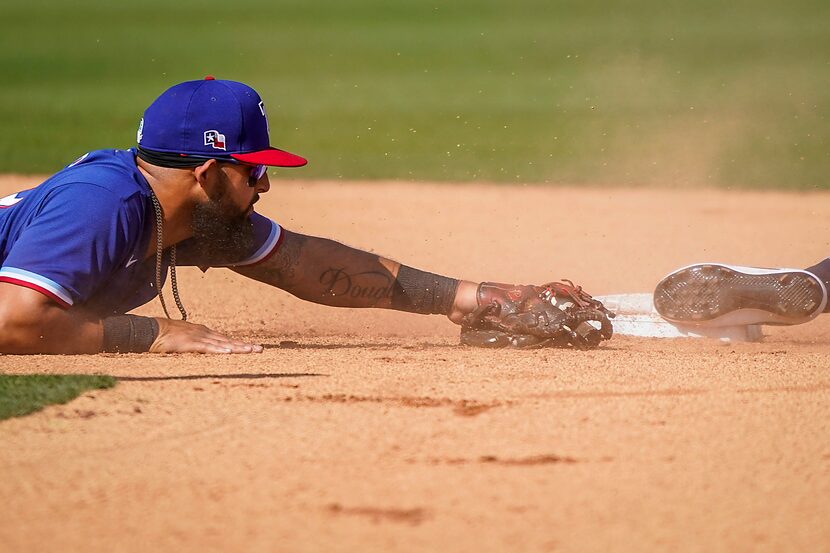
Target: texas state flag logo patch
point(216, 139)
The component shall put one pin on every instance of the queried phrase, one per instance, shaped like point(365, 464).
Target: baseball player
point(100, 237)
point(716, 294)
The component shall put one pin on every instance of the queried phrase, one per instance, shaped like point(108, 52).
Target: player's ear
point(207, 175)
point(206, 172)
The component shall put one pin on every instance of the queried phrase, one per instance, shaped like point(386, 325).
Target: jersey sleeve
point(70, 247)
point(267, 237)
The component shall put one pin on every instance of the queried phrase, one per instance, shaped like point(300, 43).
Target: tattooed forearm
point(327, 272)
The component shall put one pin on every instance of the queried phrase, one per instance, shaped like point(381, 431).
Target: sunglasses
point(257, 172)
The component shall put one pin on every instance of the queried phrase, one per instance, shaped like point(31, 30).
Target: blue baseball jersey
point(80, 237)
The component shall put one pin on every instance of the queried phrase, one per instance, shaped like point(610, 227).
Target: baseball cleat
point(714, 294)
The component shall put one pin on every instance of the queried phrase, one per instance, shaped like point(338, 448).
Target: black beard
point(219, 237)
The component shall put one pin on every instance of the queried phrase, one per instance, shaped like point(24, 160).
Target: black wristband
point(421, 292)
point(129, 334)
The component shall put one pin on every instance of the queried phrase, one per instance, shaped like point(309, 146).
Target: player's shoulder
point(109, 170)
point(100, 185)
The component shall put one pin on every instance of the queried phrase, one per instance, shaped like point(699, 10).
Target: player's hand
point(184, 337)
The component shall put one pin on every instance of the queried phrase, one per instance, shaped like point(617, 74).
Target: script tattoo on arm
point(368, 285)
point(327, 272)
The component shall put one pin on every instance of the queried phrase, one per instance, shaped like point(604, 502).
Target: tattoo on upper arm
point(281, 269)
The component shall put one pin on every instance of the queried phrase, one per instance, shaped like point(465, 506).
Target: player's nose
point(263, 185)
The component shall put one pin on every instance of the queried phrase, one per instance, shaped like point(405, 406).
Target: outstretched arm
point(500, 315)
point(327, 272)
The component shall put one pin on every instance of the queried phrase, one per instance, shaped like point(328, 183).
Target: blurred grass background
point(644, 92)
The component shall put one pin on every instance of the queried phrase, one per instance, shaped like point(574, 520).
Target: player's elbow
point(18, 335)
point(23, 320)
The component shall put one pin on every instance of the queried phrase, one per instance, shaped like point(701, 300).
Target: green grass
point(24, 394)
point(658, 92)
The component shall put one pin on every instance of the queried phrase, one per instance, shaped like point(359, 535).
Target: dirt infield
point(373, 431)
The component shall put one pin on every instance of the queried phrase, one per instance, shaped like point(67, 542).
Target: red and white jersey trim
point(268, 247)
point(34, 281)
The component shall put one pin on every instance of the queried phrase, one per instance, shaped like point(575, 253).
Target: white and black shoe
point(714, 294)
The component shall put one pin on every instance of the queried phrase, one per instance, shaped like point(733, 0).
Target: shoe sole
point(719, 295)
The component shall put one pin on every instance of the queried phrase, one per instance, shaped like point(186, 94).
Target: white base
point(636, 316)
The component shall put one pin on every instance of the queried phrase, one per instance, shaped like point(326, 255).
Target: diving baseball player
point(102, 236)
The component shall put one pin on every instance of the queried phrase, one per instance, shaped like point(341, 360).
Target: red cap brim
point(271, 156)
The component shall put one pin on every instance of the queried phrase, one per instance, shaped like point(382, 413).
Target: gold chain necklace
point(159, 254)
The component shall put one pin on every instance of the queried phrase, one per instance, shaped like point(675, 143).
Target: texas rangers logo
point(216, 139)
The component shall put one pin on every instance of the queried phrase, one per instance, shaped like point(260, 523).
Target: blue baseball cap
point(212, 118)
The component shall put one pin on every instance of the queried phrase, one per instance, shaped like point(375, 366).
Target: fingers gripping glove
point(557, 314)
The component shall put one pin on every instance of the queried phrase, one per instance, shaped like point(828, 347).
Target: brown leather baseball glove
point(556, 314)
